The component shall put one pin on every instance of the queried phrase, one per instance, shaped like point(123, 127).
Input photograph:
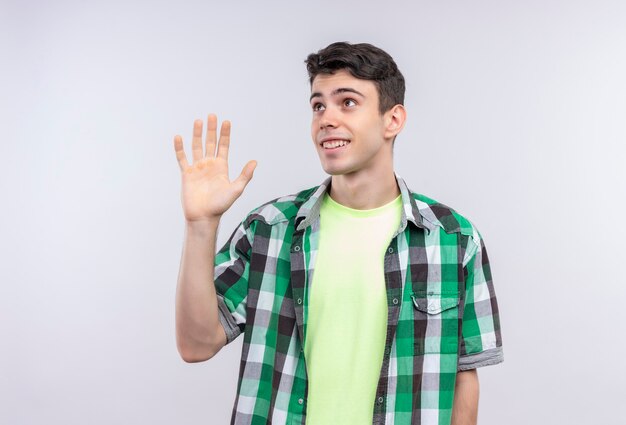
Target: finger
point(222, 148)
point(196, 143)
point(211, 135)
point(180, 153)
point(246, 175)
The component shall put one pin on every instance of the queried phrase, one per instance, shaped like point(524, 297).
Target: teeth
point(334, 144)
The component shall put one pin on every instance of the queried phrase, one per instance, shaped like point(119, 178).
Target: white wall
point(517, 117)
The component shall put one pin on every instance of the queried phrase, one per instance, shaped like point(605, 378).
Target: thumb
point(246, 175)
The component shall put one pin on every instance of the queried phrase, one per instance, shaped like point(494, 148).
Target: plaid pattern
point(442, 310)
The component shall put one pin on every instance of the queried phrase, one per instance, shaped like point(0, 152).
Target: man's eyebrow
point(338, 91)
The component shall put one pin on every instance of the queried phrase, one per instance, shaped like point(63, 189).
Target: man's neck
point(364, 192)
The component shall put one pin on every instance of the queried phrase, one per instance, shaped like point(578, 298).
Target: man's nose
point(329, 118)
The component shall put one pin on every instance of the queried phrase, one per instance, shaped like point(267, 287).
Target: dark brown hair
point(363, 61)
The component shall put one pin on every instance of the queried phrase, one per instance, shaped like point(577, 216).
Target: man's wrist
point(203, 226)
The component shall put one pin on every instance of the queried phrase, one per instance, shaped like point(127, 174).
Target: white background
point(517, 117)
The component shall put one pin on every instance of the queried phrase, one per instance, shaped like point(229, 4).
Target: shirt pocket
point(436, 322)
point(435, 302)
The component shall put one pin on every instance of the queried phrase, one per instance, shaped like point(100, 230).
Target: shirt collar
point(310, 209)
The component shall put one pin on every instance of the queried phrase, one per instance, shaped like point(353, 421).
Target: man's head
point(356, 98)
point(365, 62)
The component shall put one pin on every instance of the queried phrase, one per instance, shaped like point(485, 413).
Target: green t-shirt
point(347, 313)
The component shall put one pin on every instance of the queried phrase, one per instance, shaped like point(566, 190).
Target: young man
point(360, 301)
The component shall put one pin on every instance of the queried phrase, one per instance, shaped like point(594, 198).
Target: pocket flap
point(435, 302)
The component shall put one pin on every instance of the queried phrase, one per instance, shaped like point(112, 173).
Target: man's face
point(347, 128)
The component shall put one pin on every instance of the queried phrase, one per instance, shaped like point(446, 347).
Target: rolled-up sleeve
point(481, 340)
point(232, 265)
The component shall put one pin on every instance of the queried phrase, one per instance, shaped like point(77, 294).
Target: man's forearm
point(465, 407)
point(199, 334)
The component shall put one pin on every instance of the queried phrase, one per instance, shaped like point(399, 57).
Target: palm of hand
point(207, 191)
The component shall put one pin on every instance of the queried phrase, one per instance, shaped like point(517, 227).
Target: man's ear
point(394, 120)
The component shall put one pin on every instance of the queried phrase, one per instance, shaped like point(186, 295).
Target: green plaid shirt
point(442, 310)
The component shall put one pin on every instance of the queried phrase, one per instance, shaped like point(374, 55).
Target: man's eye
point(349, 102)
point(318, 107)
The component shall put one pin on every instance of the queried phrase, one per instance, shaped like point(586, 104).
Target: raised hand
point(207, 191)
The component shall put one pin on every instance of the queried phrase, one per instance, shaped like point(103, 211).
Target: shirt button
point(296, 248)
point(390, 250)
point(387, 350)
point(380, 400)
point(299, 300)
point(395, 301)
point(300, 401)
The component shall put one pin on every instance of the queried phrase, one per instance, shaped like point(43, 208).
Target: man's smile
point(334, 143)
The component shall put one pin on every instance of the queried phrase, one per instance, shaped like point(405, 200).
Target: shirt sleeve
point(232, 265)
point(481, 341)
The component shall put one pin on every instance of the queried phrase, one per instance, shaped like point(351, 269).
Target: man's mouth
point(334, 144)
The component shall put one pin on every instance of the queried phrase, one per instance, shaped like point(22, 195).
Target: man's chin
point(333, 171)
point(336, 171)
